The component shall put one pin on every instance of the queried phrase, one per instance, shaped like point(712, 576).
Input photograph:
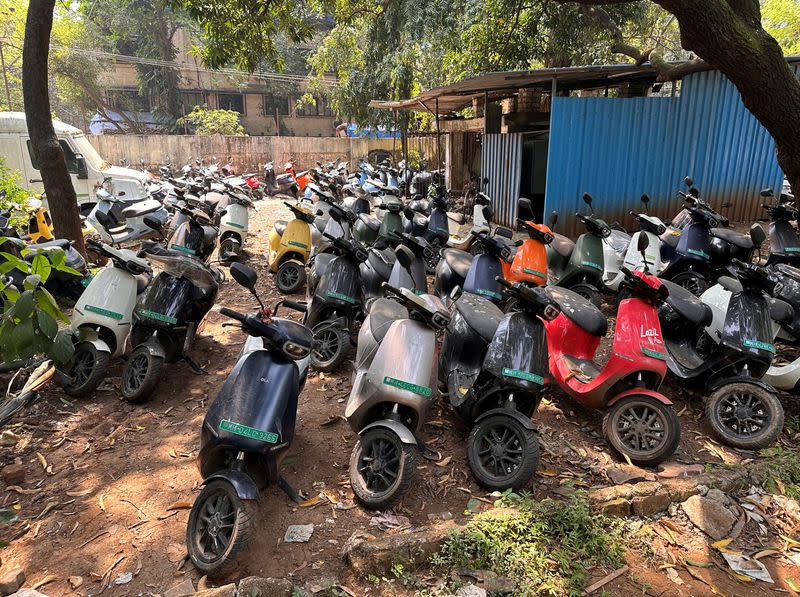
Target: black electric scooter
point(493, 367)
point(784, 245)
point(741, 408)
point(247, 431)
point(407, 269)
point(476, 275)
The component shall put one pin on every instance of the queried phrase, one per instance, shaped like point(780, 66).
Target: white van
point(87, 169)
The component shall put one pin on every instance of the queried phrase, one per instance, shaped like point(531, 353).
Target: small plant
point(213, 122)
point(547, 547)
point(414, 159)
point(12, 196)
point(29, 319)
point(781, 466)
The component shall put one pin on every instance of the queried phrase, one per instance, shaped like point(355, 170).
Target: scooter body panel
point(529, 264)
point(638, 347)
point(189, 238)
point(108, 303)
point(400, 373)
point(480, 279)
point(295, 243)
point(338, 290)
point(693, 251)
point(585, 263)
point(235, 221)
point(783, 241)
point(413, 278)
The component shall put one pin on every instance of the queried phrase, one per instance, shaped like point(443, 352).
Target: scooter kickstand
point(195, 367)
point(289, 490)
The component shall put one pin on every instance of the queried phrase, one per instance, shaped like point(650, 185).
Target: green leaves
point(63, 347)
point(213, 122)
point(41, 267)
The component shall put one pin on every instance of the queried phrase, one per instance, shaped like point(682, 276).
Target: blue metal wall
point(501, 163)
point(617, 149)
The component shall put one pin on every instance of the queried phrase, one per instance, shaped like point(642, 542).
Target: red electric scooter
point(640, 423)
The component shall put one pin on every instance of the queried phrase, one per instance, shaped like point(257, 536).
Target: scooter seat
point(372, 223)
point(780, 311)
point(562, 245)
point(481, 315)
point(381, 262)
point(788, 270)
point(459, 261)
point(61, 243)
point(280, 227)
point(738, 239)
point(688, 305)
point(213, 199)
point(579, 310)
point(382, 314)
point(420, 221)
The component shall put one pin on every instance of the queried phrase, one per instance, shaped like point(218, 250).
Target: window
point(275, 103)
point(69, 155)
point(320, 109)
point(231, 101)
point(189, 99)
point(128, 100)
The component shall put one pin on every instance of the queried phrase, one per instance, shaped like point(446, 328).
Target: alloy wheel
point(641, 428)
point(500, 450)
point(379, 464)
point(215, 525)
point(744, 413)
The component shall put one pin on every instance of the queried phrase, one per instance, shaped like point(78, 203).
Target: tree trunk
point(729, 36)
point(61, 196)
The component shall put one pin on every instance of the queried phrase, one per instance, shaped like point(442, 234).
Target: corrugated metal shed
point(501, 161)
point(617, 149)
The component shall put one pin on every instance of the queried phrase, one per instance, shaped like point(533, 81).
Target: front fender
point(741, 379)
point(508, 412)
point(398, 428)
point(154, 347)
point(99, 345)
point(245, 487)
point(640, 392)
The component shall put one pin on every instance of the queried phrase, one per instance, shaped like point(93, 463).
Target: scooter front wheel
point(89, 368)
point(502, 453)
point(643, 428)
point(290, 277)
point(229, 249)
point(745, 415)
point(330, 347)
point(588, 292)
point(691, 281)
point(381, 468)
point(140, 375)
point(219, 528)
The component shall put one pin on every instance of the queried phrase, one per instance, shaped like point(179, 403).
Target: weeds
point(547, 547)
point(781, 466)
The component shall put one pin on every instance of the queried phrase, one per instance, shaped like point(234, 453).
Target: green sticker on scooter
point(699, 253)
point(105, 312)
point(157, 316)
point(341, 297)
point(654, 354)
point(592, 264)
point(249, 432)
point(404, 385)
point(523, 375)
point(235, 225)
point(533, 272)
point(792, 249)
point(490, 293)
point(759, 345)
point(182, 249)
point(294, 243)
point(86, 281)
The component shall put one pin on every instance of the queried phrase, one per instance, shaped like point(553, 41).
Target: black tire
point(229, 248)
point(745, 415)
point(627, 438)
point(519, 446)
point(89, 368)
point(140, 375)
point(512, 305)
point(218, 503)
point(691, 281)
point(290, 277)
point(330, 348)
point(589, 292)
point(379, 491)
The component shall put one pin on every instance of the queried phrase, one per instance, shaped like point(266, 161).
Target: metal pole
point(438, 137)
point(5, 76)
point(404, 150)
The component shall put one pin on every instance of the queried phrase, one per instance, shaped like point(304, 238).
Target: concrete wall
point(249, 153)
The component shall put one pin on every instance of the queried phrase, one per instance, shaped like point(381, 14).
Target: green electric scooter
point(578, 265)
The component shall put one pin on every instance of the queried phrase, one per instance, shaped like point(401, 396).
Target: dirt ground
point(108, 484)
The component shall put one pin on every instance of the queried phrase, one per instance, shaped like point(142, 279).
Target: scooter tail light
point(551, 312)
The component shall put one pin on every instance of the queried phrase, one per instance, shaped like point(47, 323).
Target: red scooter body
point(638, 348)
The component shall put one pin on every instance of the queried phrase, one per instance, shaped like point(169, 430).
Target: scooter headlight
point(295, 351)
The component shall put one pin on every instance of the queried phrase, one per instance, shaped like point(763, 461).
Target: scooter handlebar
point(301, 307)
point(233, 314)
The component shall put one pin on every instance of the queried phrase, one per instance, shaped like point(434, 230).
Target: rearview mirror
point(643, 243)
point(645, 199)
point(408, 213)
point(487, 212)
point(82, 168)
point(587, 199)
point(152, 223)
point(766, 192)
point(553, 220)
point(688, 181)
point(244, 276)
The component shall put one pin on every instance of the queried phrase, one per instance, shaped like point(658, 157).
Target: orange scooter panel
point(530, 260)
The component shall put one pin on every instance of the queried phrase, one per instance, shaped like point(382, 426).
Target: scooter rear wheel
point(502, 453)
point(691, 281)
point(381, 468)
point(330, 348)
point(290, 277)
point(643, 428)
point(89, 368)
point(219, 528)
point(745, 415)
point(229, 249)
point(140, 375)
point(588, 292)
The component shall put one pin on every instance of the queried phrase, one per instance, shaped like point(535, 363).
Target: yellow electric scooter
point(289, 248)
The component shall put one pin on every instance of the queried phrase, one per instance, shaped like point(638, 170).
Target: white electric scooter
point(618, 254)
point(786, 376)
point(103, 315)
point(233, 223)
point(481, 224)
point(119, 221)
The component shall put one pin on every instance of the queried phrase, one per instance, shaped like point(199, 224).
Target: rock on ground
point(255, 586)
point(709, 515)
point(11, 580)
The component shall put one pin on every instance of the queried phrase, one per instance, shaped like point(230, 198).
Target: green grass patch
point(781, 465)
point(547, 547)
